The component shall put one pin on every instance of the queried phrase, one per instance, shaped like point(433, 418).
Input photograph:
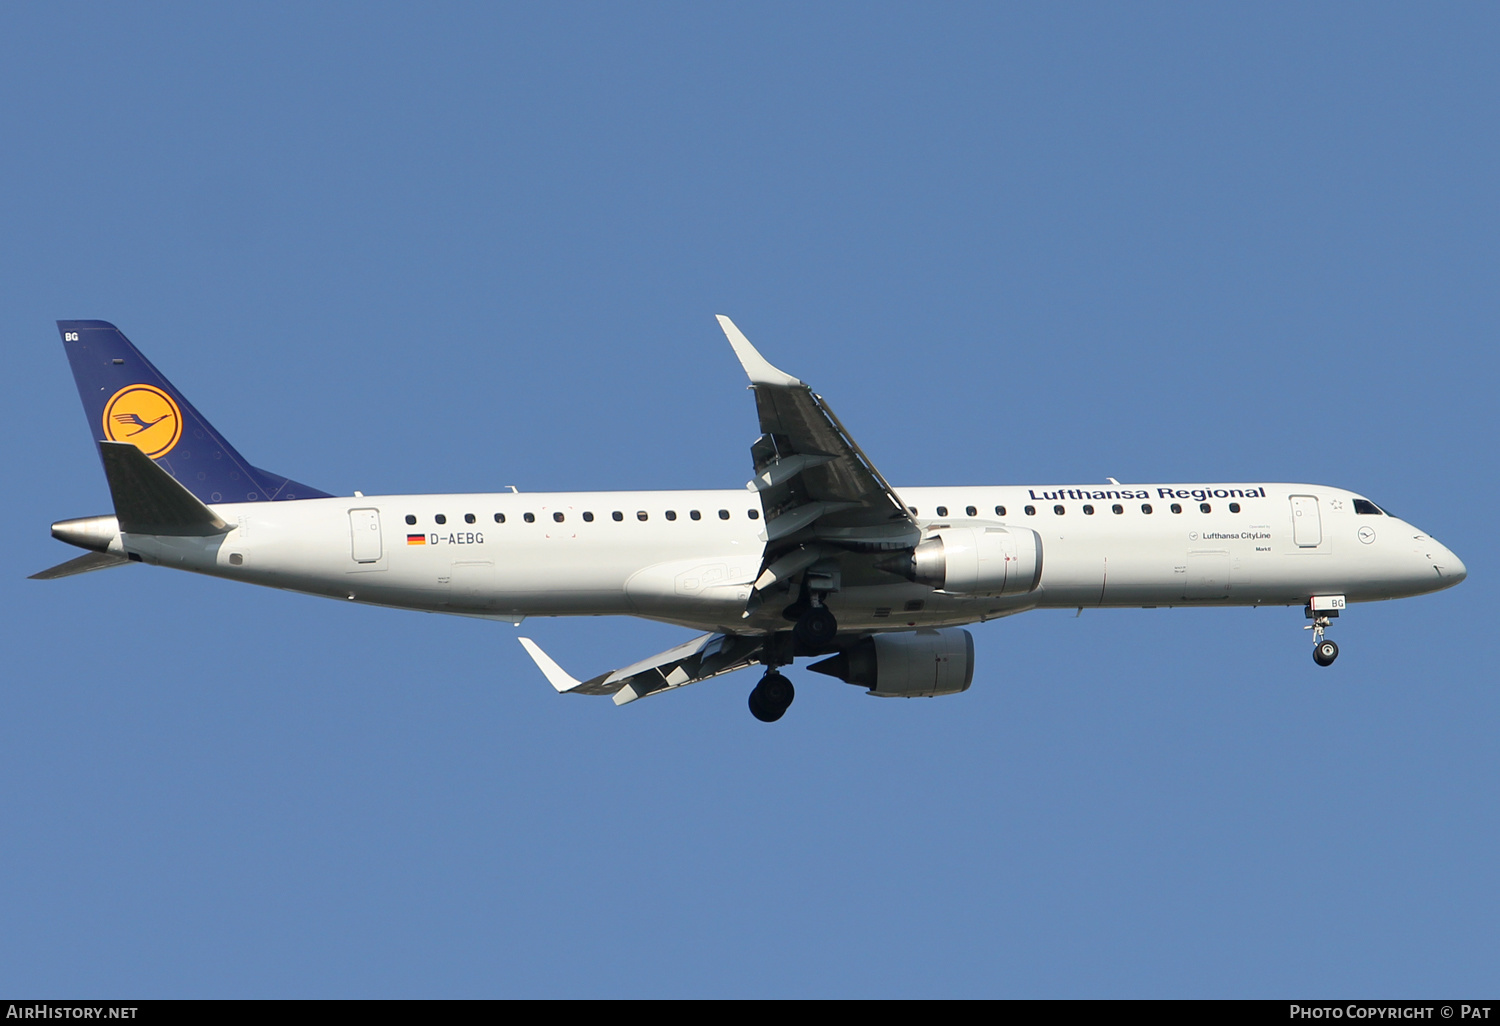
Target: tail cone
point(901, 564)
point(834, 666)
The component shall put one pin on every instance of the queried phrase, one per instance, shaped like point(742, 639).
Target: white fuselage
point(511, 555)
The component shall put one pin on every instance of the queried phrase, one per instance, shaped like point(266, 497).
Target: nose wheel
point(770, 698)
point(1321, 610)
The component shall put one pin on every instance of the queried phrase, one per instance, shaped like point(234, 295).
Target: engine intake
point(918, 664)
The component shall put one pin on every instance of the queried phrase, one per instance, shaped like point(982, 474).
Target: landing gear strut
point(769, 699)
point(1322, 610)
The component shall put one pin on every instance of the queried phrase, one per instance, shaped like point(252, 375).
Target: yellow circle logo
point(144, 416)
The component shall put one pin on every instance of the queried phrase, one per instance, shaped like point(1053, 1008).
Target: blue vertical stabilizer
point(126, 399)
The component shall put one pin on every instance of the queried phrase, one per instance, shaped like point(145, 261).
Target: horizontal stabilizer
point(148, 500)
point(82, 565)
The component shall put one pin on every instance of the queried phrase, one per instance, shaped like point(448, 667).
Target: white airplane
point(818, 556)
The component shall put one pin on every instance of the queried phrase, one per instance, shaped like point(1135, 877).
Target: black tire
point(1325, 652)
point(763, 710)
point(778, 690)
point(770, 698)
point(796, 611)
point(817, 631)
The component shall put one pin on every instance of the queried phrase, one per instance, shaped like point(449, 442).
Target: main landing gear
point(815, 628)
point(1322, 610)
point(814, 632)
point(770, 698)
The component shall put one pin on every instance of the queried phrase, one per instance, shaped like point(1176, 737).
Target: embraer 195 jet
point(817, 556)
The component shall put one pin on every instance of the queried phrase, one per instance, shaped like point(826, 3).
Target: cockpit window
point(1367, 508)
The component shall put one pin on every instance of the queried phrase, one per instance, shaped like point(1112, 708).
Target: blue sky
point(460, 247)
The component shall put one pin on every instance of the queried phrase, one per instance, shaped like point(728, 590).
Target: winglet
point(758, 367)
point(556, 675)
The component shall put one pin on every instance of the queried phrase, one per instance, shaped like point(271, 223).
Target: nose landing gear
point(1322, 610)
point(770, 698)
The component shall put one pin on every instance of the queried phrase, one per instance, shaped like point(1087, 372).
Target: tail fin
point(128, 400)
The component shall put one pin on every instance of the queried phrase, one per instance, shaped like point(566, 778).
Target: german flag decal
point(416, 539)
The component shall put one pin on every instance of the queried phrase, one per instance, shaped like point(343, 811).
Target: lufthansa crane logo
point(146, 417)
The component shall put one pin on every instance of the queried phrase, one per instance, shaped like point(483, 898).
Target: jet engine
point(974, 560)
point(917, 664)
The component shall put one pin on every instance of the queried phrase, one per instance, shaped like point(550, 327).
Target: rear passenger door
point(365, 545)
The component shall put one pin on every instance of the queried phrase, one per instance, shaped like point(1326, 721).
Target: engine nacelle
point(916, 664)
point(975, 559)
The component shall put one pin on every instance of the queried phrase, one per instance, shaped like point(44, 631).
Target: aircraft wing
point(820, 491)
point(707, 656)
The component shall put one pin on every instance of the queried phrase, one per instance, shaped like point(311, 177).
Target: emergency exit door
point(364, 535)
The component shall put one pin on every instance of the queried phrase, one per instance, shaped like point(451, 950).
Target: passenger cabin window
point(942, 511)
point(617, 515)
point(671, 514)
point(912, 510)
point(695, 514)
point(499, 518)
point(1176, 507)
point(588, 518)
point(1059, 510)
point(1205, 507)
point(1088, 511)
point(558, 517)
point(1031, 511)
point(1117, 509)
point(410, 519)
point(640, 514)
point(468, 518)
point(440, 518)
point(530, 518)
point(1366, 508)
point(753, 514)
point(1145, 507)
point(999, 511)
point(723, 514)
point(972, 511)
point(1234, 507)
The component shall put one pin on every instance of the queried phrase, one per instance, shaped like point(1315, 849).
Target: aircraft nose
point(1452, 568)
point(1448, 566)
